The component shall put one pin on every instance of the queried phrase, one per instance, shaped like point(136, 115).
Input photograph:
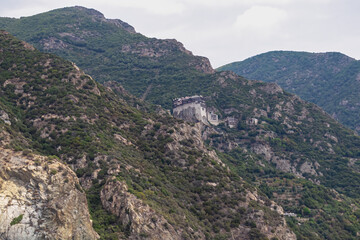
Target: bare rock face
point(285, 164)
point(155, 48)
point(53, 43)
point(194, 133)
point(272, 88)
point(41, 199)
point(5, 117)
point(98, 16)
point(203, 64)
point(137, 217)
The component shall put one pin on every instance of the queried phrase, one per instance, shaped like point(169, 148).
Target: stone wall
point(192, 112)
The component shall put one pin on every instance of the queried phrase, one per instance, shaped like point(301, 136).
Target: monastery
point(194, 109)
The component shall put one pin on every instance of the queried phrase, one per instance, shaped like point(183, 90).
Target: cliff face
point(40, 199)
point(138, 217)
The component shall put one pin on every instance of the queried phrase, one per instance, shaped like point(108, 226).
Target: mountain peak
point(80, 12)
point(95, 13)
point(89, 11)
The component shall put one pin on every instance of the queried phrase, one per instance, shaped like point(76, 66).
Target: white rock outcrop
point(44, 195)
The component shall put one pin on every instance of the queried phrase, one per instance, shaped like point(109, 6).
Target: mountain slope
point(40, 196)
point(277, 136)
point(111, 50)
point(330, 80)
point(145, 174)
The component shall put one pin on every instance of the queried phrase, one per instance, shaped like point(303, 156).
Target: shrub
point(17, 220)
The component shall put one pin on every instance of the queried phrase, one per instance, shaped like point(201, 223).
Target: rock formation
point(138, 217)
point(41, 199)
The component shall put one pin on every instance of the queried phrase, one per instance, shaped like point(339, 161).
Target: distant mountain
point(279, 149)
point(330, 80)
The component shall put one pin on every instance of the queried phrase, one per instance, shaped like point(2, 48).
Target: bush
point(17, 220)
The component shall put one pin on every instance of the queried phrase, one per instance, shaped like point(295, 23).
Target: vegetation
point(329, 80)
point(109, 52)
point(64, 112)
point(320, 212)
point(17, 220)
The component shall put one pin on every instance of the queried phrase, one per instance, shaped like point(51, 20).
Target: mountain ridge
point(327, 79)
point(277, 136)
point(122, 54)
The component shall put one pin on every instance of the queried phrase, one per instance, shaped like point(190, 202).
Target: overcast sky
point(228, 30)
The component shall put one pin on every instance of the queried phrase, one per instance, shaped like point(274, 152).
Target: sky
point(227, 30)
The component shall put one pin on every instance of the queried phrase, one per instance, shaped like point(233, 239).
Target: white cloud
point(160, 7)
point(22, 12)
point(312, 1)
point(155, 7)
point(260, 18)
point(215, 3)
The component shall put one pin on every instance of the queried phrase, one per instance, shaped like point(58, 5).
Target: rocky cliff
point(41, 198)
point(140, 220)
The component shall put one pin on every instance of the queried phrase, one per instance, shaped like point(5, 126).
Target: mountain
point(110, 50)
point(202, 181)
point(283, 120)
point(330, 80)
point(145, 174)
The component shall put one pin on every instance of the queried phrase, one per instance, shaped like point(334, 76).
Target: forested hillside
point(330, 80)
point(145, 174)
point(189, 180)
